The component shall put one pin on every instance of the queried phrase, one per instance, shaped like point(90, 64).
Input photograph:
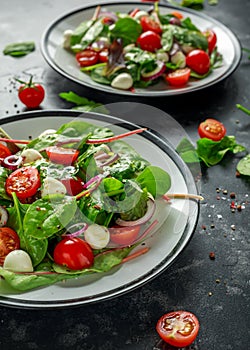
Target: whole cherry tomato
point(149, 41)
point(211, 38)
point(199, 61)
point(212, 129)
point(178, 328)
point(9, 240)
point(74, 253)
point(31, 94)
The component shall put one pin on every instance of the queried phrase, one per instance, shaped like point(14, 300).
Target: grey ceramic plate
point(64, 62)
point(175, 228)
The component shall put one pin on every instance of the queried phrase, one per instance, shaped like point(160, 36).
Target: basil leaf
point(19, 49)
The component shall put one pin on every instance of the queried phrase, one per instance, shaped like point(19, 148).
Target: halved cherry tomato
point(73, 186)
point(62, 155)
point(177, 14)
point(9, 240)
point(211, 38)
point(24, 182)
point(74, 253)
point(179, 77)
point(149, 23)
point(4, 151)
point(178, 328)
point(87, 58)
point(103, 55)
point(124, 235)
point(149, 41)
point(198, 60)
point(212, 129)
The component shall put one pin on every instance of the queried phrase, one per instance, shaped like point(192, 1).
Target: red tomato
point(149, 41)
point(24, 182)
point(124, 235)
point(62, 155)
point(73, 186)
point(178, 328)
point(9, 241)
point(179, 77)
point(211, 38)
point(177, 14)
point(31, 94)
point(149, 23)
point(212, 129)
point(199, 61)
point(74, 253)
point(87, 58)
point(103, 55)
point(4, 151)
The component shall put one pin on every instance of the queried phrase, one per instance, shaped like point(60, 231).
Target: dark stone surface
point(217, 291)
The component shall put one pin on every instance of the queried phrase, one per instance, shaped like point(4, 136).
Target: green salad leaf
point(19, 49)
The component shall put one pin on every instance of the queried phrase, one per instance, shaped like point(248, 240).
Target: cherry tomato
point(24, 182)
point(211, 38)
point(212, 129)
point(149, 41)
point(179, 77)
point(198, 60)
point(124, 235)
point(134, 12)
point(74, 253)
point(87, 58)
point(149, 23)
point(103, 55)
point(4, 151)
point(31, 94)
point(9, 241)
point(177, 14)
point(62, 155)
point(73, 186)
point(178, 328)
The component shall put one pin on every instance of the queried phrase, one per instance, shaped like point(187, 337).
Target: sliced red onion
point(71, 233)
point(157, 72)
point(3, 216)
point(96, 180)
point(108, 161)
point(149, 213)
point(12, 162)
point(68, 141)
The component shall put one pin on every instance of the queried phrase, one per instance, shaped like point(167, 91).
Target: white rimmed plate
point(176, 221)
point(64, 62)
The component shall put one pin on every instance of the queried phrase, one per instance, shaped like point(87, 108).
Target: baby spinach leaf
point(156, 180)
point(3, 176)
point(187, 151)
point(126, 29)
point(19, 49)
point(243, 166)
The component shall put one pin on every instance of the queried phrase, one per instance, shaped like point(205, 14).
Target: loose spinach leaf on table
point(243, 166)
point(19, 49)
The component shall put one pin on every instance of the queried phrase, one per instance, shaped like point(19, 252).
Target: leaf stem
point(243, 109)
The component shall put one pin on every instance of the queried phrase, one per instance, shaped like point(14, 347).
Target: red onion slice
point(149, 213)
point(157, 72)
point(71, 233)
point(108, 161)
point(3, 216)
point(12, 162)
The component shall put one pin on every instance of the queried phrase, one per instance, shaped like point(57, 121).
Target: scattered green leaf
point(243, 109)
point(19, 49)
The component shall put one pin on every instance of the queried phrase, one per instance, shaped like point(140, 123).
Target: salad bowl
point(64, 62)
point(176, 220)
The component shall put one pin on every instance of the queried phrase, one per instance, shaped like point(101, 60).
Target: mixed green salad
point(72, 202)
point(142, 47)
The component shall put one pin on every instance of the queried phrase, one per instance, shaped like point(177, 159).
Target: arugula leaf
point(243, 166)
point(79, 33)
point(19, 49)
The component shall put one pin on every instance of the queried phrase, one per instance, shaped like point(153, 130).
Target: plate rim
point(145, 93)
point(155, 270)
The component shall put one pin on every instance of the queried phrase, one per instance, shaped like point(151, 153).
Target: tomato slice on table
point(212, 129)
point(178, 77)
point(4, 151)
point(24, 182)
point(149, 23)
point(62, 155)
point(87, 58)
point(74, 253)
point(9, 240)
point(211, 38)
point(124, 235)
point(149, 41)
point(199, 61)
point(178, 328)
